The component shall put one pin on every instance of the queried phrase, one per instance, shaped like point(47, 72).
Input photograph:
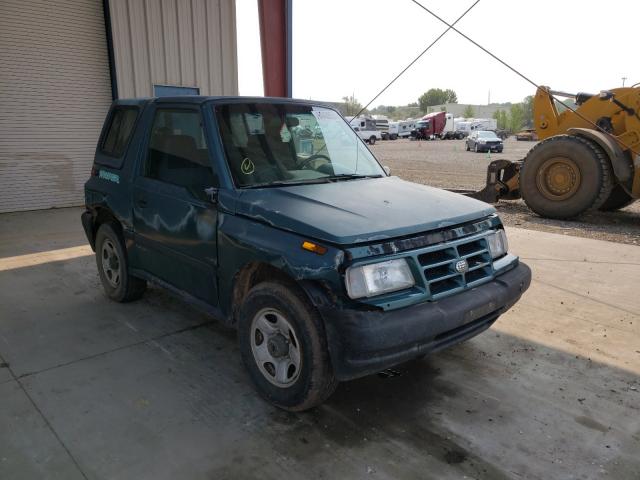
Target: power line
point(449, 27)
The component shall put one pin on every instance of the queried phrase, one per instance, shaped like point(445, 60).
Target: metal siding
point(170, 38)
point(55, 92)
point(215, 46)
point(186, 43)
point(139, 49)
point(200, 45)
point(190, 43)
point(154, 38)
point(122, 47)
point(229, 50)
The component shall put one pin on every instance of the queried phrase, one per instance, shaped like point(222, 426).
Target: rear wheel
point(113, 269)
point(618, 199)
point(284, 347)
point(372, 140)
point(565, 176)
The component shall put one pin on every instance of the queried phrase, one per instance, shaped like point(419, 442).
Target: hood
point(359, 211)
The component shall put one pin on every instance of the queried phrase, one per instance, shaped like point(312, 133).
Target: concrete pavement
point(154, 389)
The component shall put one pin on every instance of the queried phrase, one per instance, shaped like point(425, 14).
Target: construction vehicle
point(587, 159)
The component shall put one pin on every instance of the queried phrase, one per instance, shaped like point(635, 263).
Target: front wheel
point(284, 347)
point(564, 176)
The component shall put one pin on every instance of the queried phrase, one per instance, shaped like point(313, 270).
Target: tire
point(564, 176)
point(372, 140)
point(468, 147)
point(276, 308)
point(618, 199)
point(113, 266)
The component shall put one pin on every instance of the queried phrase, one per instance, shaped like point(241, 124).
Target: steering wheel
point(305, 163)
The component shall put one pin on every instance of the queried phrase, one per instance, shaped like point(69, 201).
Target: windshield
point(275, 144)
point(486, 135)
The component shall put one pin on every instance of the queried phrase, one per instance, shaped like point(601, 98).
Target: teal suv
point(329, 268)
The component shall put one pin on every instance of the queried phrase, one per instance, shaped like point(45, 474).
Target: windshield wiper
point(289, 183)
point(351, 176)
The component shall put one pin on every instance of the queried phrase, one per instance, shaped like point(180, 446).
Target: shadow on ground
point(155, 389)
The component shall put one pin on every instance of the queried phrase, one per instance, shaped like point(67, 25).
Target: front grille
point(439, 266)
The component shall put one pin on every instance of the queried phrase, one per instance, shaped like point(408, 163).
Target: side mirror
point(212, 194)
point(387, 170)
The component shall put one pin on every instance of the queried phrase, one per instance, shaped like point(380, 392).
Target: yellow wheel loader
point(587, 159)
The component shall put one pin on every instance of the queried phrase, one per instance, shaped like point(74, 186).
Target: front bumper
point(362, 342)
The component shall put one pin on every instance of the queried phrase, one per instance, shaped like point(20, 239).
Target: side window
point(178, 152)
point(119, 131)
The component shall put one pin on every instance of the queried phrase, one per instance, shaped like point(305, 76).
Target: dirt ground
point(447, 164)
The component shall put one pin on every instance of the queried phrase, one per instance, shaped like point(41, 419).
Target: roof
point(200, 99)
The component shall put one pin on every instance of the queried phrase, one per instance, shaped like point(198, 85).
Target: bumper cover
point(362, 342)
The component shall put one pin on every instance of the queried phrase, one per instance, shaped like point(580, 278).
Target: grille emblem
point(462, 266)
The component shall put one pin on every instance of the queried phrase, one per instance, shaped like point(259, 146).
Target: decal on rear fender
point(112, 177)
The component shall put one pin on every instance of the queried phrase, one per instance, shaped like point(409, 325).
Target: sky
point(345, 47)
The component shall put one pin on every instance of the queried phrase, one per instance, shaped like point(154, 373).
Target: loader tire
point(564, 176)
point(618, 199)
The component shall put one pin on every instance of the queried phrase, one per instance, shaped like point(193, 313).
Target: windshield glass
point(486, 135)
point(274, 144)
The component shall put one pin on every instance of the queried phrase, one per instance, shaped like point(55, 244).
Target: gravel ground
point(446, 164)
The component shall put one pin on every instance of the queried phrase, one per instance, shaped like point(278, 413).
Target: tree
point(351, 106)
point(436, 96)
point(516, 117)
point(469, 112)
point(501, 118)
point(451, 96)
point(527, 105)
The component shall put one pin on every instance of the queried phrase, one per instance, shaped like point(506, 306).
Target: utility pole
point(624, 79)
point(489, 98)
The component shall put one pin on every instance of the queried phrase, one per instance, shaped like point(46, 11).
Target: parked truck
point(451, 128)
point(430, 126)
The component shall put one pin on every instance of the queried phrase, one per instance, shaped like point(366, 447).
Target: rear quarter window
point(118, 133)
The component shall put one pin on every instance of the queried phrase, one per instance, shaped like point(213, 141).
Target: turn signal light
point(314, 247)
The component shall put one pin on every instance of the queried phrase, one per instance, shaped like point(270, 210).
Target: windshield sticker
point(112, 177)
point(247, 167)
point(255, 123)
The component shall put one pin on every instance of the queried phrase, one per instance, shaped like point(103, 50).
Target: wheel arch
point(255, 272)
point(620, 162)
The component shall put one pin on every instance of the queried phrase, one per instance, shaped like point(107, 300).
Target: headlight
point(498, 244)
point(378, 278)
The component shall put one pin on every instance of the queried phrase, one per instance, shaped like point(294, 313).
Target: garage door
point(54, 94)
